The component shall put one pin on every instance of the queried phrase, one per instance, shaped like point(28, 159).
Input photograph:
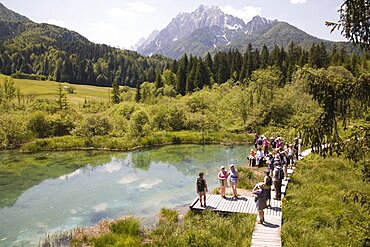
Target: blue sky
point(122, 23)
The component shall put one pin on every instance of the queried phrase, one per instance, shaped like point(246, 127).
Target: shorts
point(223, 183)
point(200, 193)
point(261, 203)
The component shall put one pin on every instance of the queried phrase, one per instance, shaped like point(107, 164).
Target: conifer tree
point(115, 92)
point(182, 74)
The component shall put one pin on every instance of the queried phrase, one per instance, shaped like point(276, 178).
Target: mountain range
point(208, 29)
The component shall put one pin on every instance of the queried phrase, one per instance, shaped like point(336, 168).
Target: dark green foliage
point(115, 93)
point(62, 55)
point(10, 16)
point(354, 22)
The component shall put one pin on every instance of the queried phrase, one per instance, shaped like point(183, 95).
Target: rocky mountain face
point(208, 29)
point(207, 26)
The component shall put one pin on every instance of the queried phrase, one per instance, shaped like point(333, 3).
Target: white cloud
point(100, 207)
point(128, 179)
point(121, 13)
point(132, 10)
point(150, 184)
point(111, 167)
point(297, 1)
point(59, 23)
point(246, 12)
point(140, 7)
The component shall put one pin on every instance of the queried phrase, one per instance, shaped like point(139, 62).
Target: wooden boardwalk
point(244, 204)
point(267, 234)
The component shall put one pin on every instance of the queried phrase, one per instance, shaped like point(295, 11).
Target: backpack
point(269, 181)
point(281, 173)
point(259, 141)
point(200, 184)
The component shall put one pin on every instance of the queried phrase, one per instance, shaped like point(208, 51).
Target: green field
point(49, 89)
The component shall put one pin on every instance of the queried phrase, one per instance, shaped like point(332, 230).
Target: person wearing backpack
point(278, 176)
point(260, 200)
point(201, 187)
point(268, 182)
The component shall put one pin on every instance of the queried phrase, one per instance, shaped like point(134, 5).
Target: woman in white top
point(222, 176)
point(234, 176)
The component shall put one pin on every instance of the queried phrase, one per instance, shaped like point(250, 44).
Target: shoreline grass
point(327, 204)
point(108, 143)
point(195, 229)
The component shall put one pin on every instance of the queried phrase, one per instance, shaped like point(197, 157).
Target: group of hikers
point(223, 174)
point(277, 156)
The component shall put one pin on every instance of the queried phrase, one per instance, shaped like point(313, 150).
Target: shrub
point(93, 125)
point(39, 125)
point(139, 123)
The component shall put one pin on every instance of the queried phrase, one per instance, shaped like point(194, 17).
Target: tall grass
point(205, 229)
point(247, 178)
point(327, 204)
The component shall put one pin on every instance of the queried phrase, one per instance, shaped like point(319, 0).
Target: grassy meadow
point(34, 89)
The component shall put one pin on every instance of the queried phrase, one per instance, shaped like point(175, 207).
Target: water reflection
point(65, 190)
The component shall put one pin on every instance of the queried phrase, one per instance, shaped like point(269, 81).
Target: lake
point(49, 192)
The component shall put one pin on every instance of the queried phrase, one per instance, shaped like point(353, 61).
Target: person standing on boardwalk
point(268, 182)
point(255, 140)
point(278, 176)
point(266, 144)
point(234, 176)
point(252, 158)
point(201, 187)
point(259, 157)
point(222, 176)
point(260, 193)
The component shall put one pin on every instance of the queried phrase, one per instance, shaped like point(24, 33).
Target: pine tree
point(116, 97)
point(158, 79)
point(138, 93)
point(182, 74)
point(264, 57)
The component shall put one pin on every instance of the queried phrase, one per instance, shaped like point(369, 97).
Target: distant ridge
point(10, 16)
point(208, 29)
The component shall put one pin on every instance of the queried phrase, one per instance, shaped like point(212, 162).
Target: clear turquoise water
point(37, 200)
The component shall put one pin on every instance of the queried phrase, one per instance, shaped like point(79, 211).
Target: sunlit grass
point(205, 229)
point(323, 206)
point(33, 89)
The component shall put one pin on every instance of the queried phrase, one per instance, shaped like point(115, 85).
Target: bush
point(39, 125)
point(93, 125)
point(13, 131)
point(139, 123)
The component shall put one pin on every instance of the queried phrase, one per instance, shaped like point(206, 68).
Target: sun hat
point(222, 167)
point(232, 165)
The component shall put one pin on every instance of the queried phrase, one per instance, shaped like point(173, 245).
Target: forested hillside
point(40, 51)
